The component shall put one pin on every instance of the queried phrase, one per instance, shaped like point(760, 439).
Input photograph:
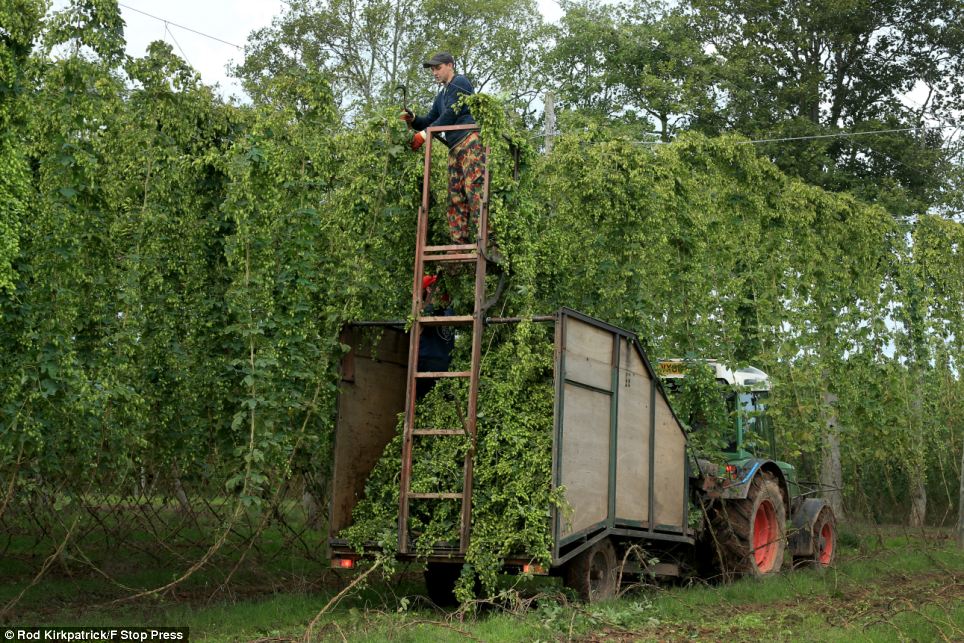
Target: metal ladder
point(462, 253)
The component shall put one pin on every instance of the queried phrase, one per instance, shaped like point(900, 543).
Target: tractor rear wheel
point(824, 538)
point(592, 574)
point(751, 534)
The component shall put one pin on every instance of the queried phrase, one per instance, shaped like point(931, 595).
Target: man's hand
point(408, 117)
point(418, 140)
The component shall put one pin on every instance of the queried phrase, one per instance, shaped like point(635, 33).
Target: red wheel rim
point(765, 533)
point(826, 544)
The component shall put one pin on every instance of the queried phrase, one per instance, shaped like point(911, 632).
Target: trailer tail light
point(343, 563)
point(535, 570)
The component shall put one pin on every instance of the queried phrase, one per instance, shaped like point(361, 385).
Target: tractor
point(746, 494)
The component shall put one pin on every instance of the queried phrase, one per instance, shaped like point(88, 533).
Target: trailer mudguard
point(747, 470)
point(801, 538)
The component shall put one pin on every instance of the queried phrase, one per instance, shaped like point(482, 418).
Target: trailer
point(618, 450)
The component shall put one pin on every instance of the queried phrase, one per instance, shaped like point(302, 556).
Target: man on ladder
point(466, 163)
point(467, 215)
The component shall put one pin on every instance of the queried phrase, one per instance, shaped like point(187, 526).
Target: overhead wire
point(793, 138)
point(181, 49)
point(843, 134)
point(169, 22)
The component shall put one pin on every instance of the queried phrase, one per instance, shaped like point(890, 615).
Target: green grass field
point(895, 587)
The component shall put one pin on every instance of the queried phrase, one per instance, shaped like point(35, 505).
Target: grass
point(891, 587)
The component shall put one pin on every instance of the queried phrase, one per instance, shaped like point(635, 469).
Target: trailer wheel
point(824, 538)
point(592, 574)
point(751, 534)
point(440, 580)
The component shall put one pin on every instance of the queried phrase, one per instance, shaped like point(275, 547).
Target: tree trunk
point(831, 476)
point(550, 121)
point(960, 507)
point(182, 500)
point(918, 499)
point(311, 508)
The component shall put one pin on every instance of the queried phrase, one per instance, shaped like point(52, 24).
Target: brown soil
point(855, 609)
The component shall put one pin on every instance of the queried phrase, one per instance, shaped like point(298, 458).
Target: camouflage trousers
point(466, 174)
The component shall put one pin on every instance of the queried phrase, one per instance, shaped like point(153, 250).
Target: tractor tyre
point(593, 573)
point(751, 534)
point(824, 538)
point(440, 580)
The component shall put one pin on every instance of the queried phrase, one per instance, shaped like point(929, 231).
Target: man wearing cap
point(466, 158)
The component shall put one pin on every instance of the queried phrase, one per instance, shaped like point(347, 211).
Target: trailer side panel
point(632, 463)
point(371, 394)
point(586, 426)
point(669, 497)
point(619, 450)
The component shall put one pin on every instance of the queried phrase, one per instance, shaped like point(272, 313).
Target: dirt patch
point(850, 608)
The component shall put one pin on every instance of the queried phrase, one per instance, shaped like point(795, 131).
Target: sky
point(227, 20)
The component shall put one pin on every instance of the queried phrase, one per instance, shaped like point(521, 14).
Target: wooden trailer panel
point(669, 499)
point(633, 438)
point(585, 453)
point(589, 355)
point(619, 450)
point(586, 421)
point(371, 394)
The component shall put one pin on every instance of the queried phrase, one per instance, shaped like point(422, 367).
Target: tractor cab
point(745, 393)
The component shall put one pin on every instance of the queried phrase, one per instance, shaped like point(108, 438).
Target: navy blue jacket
point(436, 344)
point(444, 111)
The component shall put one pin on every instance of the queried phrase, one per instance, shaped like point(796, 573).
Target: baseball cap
point(441, 58)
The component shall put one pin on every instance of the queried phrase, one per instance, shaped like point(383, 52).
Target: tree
point(370, 47)
point(363, 45)
point(586, 42)
point(498, 44)
point(633, 63)
point(663, 68)
point(21, 25)
point(815, 68)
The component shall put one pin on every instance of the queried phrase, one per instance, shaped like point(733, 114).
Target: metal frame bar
point(558, 421)
point(613, 430)
point(652, 453)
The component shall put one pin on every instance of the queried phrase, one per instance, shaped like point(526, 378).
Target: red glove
point(418, 140)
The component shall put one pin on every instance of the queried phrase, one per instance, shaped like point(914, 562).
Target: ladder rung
point(463, 246)
point(439, 432)
point(450, 320)
point(461, 256)
point(434, 496)
point(437, 374)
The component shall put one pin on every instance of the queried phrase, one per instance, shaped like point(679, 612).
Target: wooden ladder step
point(459, 256)
point(434, 375)
point(434, 496)
point(446, 320)
point(464, 247)
point(439, 432)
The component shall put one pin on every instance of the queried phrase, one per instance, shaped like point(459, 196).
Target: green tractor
point(744, 492)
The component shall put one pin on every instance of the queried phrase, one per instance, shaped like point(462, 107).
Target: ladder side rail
point(421, 239)
point(471, 419)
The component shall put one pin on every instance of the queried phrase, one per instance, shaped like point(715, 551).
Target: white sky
point(229, 20)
